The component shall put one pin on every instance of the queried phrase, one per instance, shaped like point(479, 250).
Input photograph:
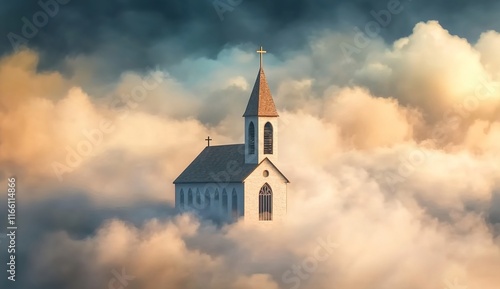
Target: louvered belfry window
point(268, 139)
point(266, 203)
point(251, 139)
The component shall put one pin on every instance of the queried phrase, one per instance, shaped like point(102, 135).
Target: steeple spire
point(261, 101)
point(261, 121)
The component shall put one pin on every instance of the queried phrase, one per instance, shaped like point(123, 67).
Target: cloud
point(56, 131)
point(364, 120)
point(377, 193)
point(486, 46)
point(130, 34)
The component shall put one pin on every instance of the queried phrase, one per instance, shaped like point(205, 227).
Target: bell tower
point(261, 121)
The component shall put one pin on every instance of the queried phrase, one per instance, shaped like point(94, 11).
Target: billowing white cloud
point(393, 156)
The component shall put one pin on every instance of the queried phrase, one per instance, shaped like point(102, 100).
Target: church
point(229, 182)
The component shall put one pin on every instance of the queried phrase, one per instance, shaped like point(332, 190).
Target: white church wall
point(251, 158)
point(211, 200)
point(254, 183)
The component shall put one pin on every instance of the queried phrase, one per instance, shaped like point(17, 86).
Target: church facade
point(228, 182)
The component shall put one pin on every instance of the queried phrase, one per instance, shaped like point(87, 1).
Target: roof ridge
point(225, 145)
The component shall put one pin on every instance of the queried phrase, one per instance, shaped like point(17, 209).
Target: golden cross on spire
point(261, 52)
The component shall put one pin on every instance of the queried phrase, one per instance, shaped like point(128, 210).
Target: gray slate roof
point(217, 163)
point(261, 101)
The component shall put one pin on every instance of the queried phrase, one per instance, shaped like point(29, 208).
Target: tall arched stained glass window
point(266, 203)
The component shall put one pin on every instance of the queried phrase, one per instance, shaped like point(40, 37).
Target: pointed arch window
point(216, 199)
point(251, 139)
point(224, 201)
point(198, 199)
point(268, 139)
point(181, 201)
point(208, 203)
point(190, 198)
point(266, 203)
point(234, 204)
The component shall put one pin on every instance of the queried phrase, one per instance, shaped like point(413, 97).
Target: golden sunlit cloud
point(396, 170)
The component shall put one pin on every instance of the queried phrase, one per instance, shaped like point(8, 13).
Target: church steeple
point(261, 101)
point(258, 191)
point(261, 125)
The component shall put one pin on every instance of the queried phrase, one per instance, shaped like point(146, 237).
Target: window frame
point(268, 139)
point(251, 138)
point(266, 203)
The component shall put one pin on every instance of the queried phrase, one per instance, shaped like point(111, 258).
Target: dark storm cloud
point(132, 34)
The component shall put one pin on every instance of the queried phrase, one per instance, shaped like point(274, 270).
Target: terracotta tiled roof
point(261, 101)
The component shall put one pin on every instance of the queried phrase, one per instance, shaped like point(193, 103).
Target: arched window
point(198, 199)
point(265, 203)
point(208, 204)
point(217, 203)
point(190, 198)
point(251, 139)
point(224, 202)
point(181, 198)
point(268, 139)
point(234, 204)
